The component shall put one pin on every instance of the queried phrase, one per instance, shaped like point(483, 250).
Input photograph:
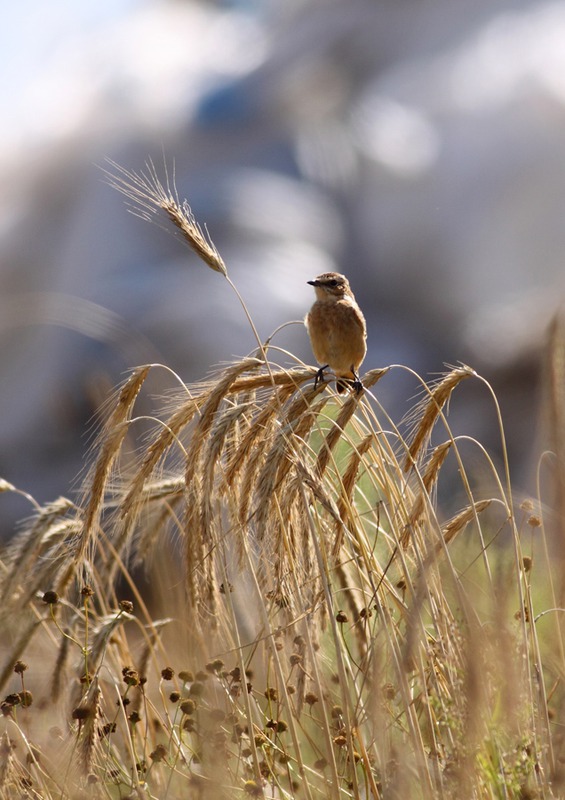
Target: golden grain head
point(150, 198)
point(426, 414)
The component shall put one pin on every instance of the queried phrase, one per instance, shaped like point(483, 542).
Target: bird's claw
point(341, 384)
point(320, 377)
point(356, 384)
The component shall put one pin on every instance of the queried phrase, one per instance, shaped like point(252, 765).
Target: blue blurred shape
point(230, 103)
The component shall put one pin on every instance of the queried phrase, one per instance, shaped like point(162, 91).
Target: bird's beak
point(313, 283)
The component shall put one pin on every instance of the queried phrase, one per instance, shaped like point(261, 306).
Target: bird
point(337, 330)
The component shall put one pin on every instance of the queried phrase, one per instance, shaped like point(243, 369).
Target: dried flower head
point(188, 707)
point(215, 666)
point(252, 788)
point(130, 676)
point(159, 754)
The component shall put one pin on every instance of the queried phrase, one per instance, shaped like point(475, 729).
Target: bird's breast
point(337, 334)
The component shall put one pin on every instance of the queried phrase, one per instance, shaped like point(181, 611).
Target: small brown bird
point(337, 330)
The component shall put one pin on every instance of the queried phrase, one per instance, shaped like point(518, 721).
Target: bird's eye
point(333, 283)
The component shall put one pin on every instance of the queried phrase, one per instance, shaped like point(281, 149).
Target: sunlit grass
point(263, 598)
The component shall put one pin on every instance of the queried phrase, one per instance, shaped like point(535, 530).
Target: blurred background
point(416, 145)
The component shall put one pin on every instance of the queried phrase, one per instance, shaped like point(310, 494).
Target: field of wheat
point(258, 593)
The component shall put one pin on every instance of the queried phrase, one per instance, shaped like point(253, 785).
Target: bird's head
point(330, 285)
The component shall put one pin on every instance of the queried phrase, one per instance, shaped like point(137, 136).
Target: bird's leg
point(320, 376)
point(356, 384)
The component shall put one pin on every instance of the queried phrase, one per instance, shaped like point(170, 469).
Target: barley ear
point(150, 200)
point(428, 411)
